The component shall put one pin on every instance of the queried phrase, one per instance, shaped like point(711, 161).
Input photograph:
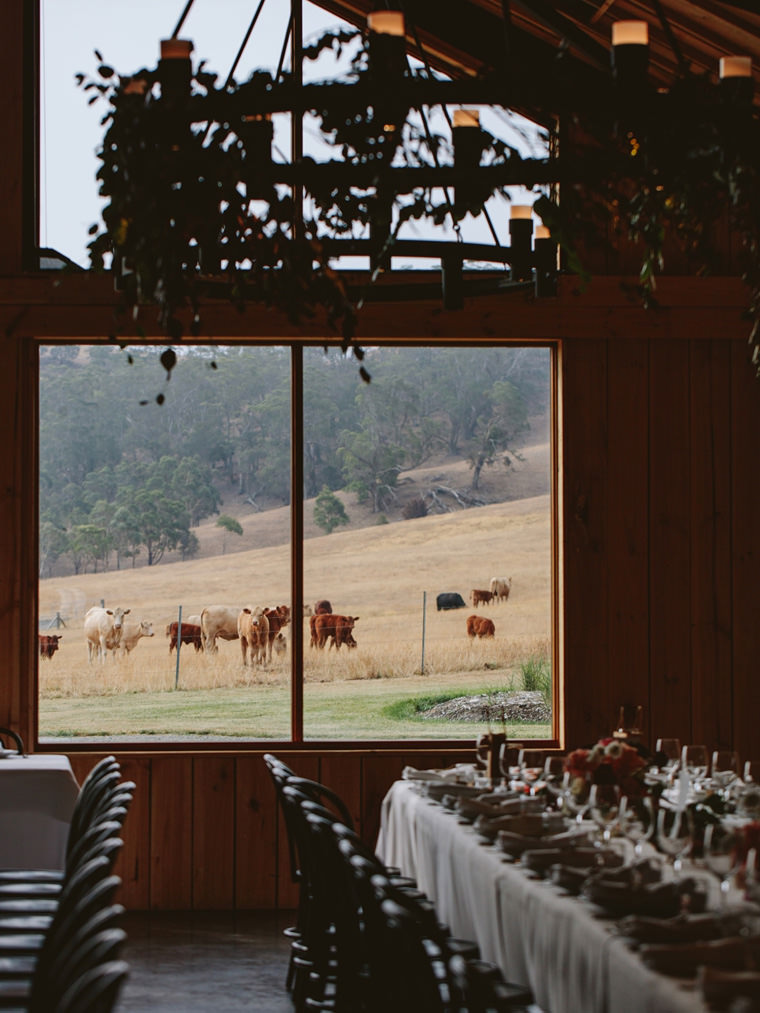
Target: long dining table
point(37, 797)
point(539, 936)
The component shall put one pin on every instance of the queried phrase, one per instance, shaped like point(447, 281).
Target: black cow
point(449, 600)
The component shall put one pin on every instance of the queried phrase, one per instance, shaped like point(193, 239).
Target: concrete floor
point(197, 962)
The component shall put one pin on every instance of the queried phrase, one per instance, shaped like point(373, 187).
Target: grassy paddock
point(374, 573)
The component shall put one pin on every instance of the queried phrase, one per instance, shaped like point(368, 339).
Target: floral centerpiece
point(609, 762)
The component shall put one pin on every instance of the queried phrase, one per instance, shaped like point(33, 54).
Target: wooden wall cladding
point(661, 537)
point(204, 831)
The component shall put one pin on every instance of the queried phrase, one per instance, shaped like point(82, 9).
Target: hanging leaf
point(169, 361)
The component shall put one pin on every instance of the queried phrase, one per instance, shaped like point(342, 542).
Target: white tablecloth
point(572, 961)
point(37, 796)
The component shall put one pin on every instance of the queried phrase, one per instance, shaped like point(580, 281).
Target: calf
point(191, 634)
point(478, 597)
point(48, 643)
point(477, 626)
point(253, 631)
point(278, 618)
point(335, 628)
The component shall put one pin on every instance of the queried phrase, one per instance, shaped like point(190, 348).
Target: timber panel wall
point(204, 832)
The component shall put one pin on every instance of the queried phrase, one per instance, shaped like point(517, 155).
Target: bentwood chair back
point(96, 991)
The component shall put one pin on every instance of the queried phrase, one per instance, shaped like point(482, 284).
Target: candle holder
point(630, 53)
point(520, 242)
point(736, 83)
point(175, 69)
point(545, 259)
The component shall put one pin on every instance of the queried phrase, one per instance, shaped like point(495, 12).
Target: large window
point(418, 489)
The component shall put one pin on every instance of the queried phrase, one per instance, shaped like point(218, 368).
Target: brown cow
point(477, 626)
point(191, 634)
point(321, 608)
point(48, 643)
point(478, 597)
point(253, 631)
point(278, 618)
point(336, 628)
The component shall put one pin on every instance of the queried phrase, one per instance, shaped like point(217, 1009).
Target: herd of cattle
point(259, 630)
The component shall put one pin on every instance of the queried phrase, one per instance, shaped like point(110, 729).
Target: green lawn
point(362, 709)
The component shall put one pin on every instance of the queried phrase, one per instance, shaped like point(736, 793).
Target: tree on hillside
point(329, 512)
point(162, 523)
point(229, 524)
point(54, 543)
point(497, 430)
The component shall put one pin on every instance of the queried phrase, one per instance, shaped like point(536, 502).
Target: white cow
point(500, 587)
point(102, 630)
point(131, 633)
point(219, 621)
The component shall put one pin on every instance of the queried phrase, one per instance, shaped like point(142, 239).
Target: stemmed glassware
point(554, 777)
point(531, 767)
point(721, 854)
point(637, 822)
point(606, 807)
point(694, 761)
point(724, 770)
point(674, 835)
point(575, 802)
point(670, 750)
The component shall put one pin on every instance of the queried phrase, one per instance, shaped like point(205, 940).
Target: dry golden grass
point(380, 574)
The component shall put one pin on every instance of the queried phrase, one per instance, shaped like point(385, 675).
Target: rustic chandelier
point(199, 206)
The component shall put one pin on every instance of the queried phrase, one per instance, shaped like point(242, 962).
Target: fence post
point(424, 612)
point(179, 645)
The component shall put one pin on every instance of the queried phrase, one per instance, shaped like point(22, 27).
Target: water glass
point(531, 764)
point(674, 836)
point(721, 854)
point(669, 754)
point(606, 807)
point(694, 761)
point(724, 769)
point(637, 823)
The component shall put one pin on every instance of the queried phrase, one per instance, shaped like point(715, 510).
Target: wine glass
point(674, 836)
point(606, 806)
point(531, 767)
point(724, 769)
point(637, 823)
point(694, 762)
point(721, 854)
point(508, 767)
point(669, 751)
point(554, 776)
point(751, 772)
point(575, 796)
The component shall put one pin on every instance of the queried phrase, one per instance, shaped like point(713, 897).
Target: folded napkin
point(569, 878)
point(470, 808)
point(684, 928)
point(683, 959)
point(462, 773)
point(719, 986)
point(515, 844)
point(533, 824)
point(659, 900)
point(437, 789)
point(647, 871)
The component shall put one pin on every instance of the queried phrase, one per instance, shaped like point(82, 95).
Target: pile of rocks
point(522, 705)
